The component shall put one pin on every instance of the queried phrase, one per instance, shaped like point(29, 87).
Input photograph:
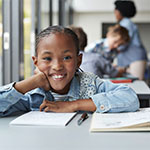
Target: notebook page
point(43, 118)
point(119, 120)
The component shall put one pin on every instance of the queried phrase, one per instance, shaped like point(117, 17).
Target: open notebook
point(130, 121)
point(43, 118)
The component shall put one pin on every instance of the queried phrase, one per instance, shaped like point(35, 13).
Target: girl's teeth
point(57, 76)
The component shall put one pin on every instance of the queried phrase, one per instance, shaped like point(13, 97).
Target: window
point(27, 38)
point(1, 42)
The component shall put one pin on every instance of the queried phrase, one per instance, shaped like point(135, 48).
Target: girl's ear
point(34, 58)
point(79, 60)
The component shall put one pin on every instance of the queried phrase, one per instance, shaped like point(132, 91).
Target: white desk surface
point(140, 87)
point(71, 137)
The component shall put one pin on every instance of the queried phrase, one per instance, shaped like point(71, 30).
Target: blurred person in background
point(133, 55)
point(96, 61)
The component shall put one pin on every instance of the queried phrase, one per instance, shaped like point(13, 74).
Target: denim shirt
point(107, 96)
point(134, 50)
point(133, 31)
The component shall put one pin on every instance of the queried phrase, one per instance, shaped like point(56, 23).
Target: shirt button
point(102, 107)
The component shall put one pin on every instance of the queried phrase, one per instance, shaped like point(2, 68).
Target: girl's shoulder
point(88, 84)
point(88, 78)
point(86, 74)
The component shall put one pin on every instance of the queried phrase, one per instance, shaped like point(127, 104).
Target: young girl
point(59, 86)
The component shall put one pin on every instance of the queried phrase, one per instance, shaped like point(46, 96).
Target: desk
point(142, 90)
point(140, 87)
point(71, 137)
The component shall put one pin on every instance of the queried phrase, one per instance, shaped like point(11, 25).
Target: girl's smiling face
point(57, 57)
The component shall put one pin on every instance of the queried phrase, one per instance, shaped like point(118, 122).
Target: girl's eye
point(47, 58)
point(67, 57)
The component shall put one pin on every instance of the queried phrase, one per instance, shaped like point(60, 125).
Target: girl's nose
point(57, 65)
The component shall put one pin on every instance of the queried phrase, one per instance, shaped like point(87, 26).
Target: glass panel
point(44, 14)
point(55, 12)
point(1, 42)
point(27, 39)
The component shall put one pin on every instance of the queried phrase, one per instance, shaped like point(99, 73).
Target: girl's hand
point(59, 106)
point(43, 80)
point(38, 80)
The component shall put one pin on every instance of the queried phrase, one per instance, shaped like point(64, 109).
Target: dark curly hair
point(82, 36)
point(126, 7)
point(53, 30)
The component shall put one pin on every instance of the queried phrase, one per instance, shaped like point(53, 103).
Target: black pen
point(82, 118)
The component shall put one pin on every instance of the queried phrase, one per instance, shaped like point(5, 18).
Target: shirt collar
point(74, 88)
point(37, 91)
point(73, 91)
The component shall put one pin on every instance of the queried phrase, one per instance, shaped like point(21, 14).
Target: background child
point(58, 86)
point(95, 62)
point(108, 47)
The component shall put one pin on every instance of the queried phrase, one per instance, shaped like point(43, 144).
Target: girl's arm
point(13, 98)
point(109, 98)
point(115, 98)
point(38, 80)
point(69, 106)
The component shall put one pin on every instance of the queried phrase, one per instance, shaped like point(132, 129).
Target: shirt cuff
point(101, 102)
